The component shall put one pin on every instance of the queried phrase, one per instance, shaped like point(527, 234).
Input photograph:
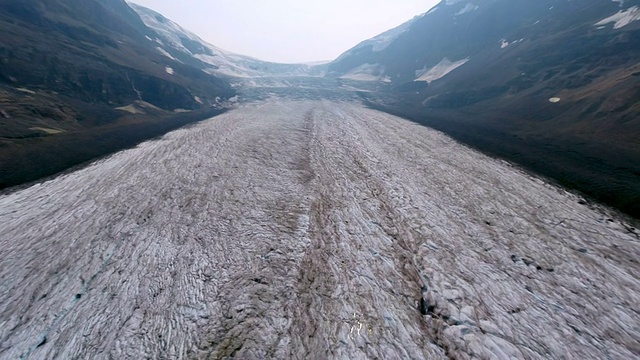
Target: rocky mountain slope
point(551, 84)
point(79, 78)
point(175, 42)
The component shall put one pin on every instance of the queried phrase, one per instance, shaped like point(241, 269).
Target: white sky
point(288, 30)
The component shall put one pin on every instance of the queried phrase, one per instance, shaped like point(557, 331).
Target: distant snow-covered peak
point(163, 26)
point(174, 42)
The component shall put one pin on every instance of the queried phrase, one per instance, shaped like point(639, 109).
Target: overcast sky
point(288, 30)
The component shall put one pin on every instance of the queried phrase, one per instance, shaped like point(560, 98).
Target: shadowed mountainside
point(76, 72)
point(552, 85)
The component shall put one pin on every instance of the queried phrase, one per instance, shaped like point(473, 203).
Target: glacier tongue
point(300, 229)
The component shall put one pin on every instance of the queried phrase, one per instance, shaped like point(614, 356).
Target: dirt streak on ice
point(312, 230)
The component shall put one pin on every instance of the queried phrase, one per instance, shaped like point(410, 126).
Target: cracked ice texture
point(311, 230)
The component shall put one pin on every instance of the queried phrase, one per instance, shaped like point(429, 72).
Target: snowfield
point(312, 230)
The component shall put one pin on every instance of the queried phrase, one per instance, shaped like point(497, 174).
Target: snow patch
point(49, 131)
point(139, 107)
point(444, 67)
point(169, 70)
point(504, 43)
point(367, 72)
point(622, 18)
point(468, 8)
point(165, 53)
point(26, 91)
point(133, 109)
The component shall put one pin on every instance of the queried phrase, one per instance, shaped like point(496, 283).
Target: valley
point(463, 186)
point(303, 229)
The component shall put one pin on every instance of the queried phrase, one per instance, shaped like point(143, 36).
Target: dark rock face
point(548, 84)
point(114, 16)
point(95, 51)
point(546, 32)
point(66, 66)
